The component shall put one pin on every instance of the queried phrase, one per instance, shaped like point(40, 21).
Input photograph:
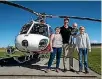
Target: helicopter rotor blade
point(81, 18)
point(74, 17)
point(19, 6)
point(49, 16)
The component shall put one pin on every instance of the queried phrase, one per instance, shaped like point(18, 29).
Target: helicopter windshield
point(25, 28)
point(41, 29)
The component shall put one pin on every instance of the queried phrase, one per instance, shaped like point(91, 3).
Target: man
point(83, 46)
point(73, 35)
point(66, 34)
point(42, 21)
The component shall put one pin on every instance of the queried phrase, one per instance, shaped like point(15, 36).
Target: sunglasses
point(82, 29)
point(66, 22)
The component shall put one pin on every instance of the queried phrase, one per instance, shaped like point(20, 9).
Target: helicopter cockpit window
point(25, 28)
point(41, 29)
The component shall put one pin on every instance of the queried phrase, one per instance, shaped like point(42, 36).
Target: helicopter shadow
point(38, 67)
point(31, 64)
point(9, 62)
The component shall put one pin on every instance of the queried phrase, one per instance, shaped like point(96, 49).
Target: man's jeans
point(57, 52)
point(83, 52)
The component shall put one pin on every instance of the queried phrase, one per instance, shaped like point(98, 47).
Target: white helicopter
point(34, 36)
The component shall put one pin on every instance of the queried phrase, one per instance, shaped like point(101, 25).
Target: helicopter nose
point(25, 43)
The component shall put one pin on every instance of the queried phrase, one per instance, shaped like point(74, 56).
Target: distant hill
point(96, 45)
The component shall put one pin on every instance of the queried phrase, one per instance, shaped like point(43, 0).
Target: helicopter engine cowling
point(31, 42)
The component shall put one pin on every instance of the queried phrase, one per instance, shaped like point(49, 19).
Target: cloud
point(94, 41)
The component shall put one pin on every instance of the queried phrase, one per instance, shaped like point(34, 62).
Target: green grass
point(94, 59)
point(3, 54)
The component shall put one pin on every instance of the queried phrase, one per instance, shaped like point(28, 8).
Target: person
point(74, 30)
point(83, 45)
point(73, 36)
point(42, 21)
point(67, 52)
point(56, 49)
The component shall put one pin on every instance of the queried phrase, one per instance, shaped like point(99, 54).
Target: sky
point(12, 19)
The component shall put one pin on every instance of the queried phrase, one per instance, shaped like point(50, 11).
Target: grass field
point(3, 53)
point(94, 58)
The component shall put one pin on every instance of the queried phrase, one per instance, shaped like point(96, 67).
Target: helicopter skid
point(27, 57)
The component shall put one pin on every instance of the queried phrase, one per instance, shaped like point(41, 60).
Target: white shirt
point(83, 41)
point(57, 40)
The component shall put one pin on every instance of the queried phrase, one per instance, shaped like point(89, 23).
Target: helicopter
point(34, 37)
point(25, 41)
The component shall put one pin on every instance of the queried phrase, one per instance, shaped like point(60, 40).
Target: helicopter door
point(41, 29)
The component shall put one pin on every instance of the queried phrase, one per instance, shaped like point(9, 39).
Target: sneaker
point(47, 70)
point(72, 70)
point(77, 72)
point(65, 70)
point(57, 70)
point(86, 71)
point(80, 70)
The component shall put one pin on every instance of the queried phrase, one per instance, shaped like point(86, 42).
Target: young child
point(74, 33)
point(74, 29)
point(83, 45)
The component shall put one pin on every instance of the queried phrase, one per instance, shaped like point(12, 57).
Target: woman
point(56, 49)
point(83, 46)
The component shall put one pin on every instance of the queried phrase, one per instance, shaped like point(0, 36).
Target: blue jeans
point(58, 52)
point(83, 52)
